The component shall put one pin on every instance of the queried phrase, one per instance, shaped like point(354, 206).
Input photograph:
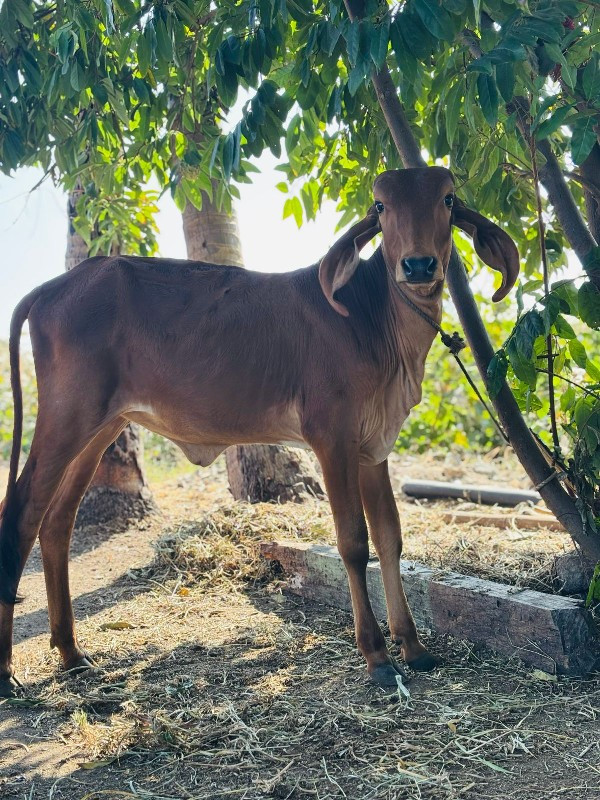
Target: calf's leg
point(55, 539)
point(341, 474)
point(58, 439)
point(384, 523)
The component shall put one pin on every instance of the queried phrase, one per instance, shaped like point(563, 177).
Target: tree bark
point(590, 170)
point(505, 404)
point(257, 473)
point(119, 490)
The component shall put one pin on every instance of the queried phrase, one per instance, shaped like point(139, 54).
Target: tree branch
point(590, 177)
point(404, 139)
point(559, 194)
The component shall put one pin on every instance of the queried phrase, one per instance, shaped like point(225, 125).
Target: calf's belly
point(203, 434)
point(202, 439)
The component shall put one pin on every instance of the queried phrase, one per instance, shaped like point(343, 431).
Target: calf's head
point(415, 209)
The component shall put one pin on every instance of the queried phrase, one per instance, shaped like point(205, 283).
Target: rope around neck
point(455, 343)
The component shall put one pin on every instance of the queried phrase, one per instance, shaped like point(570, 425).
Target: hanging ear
point(340, 263)
point(492, 245)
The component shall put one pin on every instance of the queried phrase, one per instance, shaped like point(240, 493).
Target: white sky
point(33, 231)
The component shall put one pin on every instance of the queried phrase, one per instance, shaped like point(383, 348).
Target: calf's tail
point(9, 509)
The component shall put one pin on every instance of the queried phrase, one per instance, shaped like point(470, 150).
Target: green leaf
point(379, 42)
point(150, 36)
point(404, 57)
point(578, 354)
point(108, 16)
point(355, 79)
point(305, 71)
point(530, 326)
point(593, 371)
point(588, 299)
point(566, 293)
point(436, 19)
point(353, 41)
point(141, 90)
point(496, 373)
point(455, 6)
point(523, 368)
point(582, 139)
point(567, 398)
point(179, 196)
point(164, 44)
point(481, 64)
point(505, 78)
point(563, 329)
point(553, 123)
point(569, 74)
point(550, 312)
point(293, 207)
point(228, 155)
point(453, 108)
point(488, 97)
point(590, 80)
point(306, 96)
point(143, 53)
point(259, 43)
point(220, 61)
point(23, 13)
point(32, 71)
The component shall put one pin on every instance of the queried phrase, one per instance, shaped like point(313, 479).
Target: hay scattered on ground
point(233, 531)
point(213, 683)
point(216, 685)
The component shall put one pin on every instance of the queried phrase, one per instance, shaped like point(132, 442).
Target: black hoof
point(423, 663)
point(83, 664)
point(385, 675)
point(10, 688)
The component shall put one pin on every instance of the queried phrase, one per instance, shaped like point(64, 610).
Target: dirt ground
point(214, 683)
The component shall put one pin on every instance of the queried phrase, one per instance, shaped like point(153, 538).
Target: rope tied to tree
point(455, 343)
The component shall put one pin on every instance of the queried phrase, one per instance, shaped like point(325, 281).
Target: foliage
point(112, 92)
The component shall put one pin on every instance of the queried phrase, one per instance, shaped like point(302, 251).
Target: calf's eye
point(379, 206)
point(449, 200)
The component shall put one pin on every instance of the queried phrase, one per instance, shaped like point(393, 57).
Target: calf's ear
point(492, 245)
point(340, 263)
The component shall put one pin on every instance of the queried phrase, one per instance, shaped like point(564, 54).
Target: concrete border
point(550, 632)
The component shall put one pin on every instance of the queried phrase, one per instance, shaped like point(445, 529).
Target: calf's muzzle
point(419, 269)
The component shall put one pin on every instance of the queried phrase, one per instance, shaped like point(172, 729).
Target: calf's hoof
point(423, 663)
point(79, 664)
point(385, 674)
point(10, 687)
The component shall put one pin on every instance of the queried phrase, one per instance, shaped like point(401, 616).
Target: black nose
point(419, 270)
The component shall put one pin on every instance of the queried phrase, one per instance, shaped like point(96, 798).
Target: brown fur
point(211, 356)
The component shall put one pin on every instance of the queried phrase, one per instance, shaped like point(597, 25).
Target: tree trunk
point(119, 490)
point(257, 473)
point(505, 404)
point(590, 170)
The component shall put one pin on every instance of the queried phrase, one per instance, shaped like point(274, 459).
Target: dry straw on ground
point(214, 683)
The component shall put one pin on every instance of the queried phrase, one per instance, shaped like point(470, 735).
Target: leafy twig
point(573, 383)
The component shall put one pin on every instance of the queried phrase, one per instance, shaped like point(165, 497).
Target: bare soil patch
point(213, 683)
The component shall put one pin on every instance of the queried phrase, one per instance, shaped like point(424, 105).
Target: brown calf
point(209, 356)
